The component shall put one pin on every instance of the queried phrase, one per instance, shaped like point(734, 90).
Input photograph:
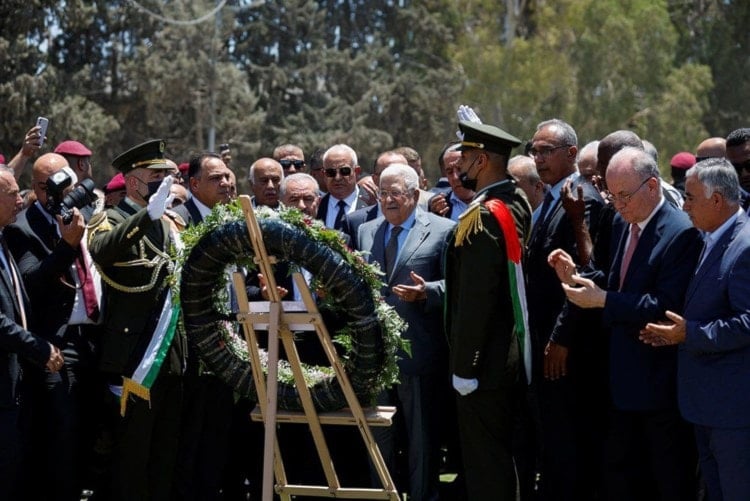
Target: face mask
point(151, 188)
point(469, 184)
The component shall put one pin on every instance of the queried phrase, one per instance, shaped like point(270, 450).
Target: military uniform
point(131, 253)
point(480, 326)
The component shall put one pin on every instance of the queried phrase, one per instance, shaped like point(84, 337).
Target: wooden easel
point(280, 319)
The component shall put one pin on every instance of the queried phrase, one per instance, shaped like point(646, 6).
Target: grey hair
point(717, 175)
point(565, 131)
point(593, 145)
point(523, 167)
point(344, 147)
point(297, 176)
point(409, 175)
point(643, 164)
point(251, 171)
point(649, 147)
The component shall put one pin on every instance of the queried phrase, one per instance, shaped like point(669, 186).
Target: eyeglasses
point(625, 198)
point(344, 171)
point(383, 194)
point(740, 166)
point(546, 151)
point(298, 164)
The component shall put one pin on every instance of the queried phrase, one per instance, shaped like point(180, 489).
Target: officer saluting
point(140, 352)
point(485, 310)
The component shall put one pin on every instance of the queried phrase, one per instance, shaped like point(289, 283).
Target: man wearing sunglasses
point(738, 154)
point(291, 157)
point(341, 170)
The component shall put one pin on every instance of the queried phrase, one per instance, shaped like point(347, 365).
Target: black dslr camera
point(57, 203)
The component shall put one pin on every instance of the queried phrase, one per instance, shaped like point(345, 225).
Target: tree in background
point(601, 65)
point(375, 74)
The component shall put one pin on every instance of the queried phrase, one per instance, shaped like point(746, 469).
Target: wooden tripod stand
point(280, 319)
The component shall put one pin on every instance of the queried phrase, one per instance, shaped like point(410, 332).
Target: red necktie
point(87, 284)
point(634, 234)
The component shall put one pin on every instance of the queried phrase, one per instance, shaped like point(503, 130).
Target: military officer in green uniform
point(485, 310)
point(142, 352)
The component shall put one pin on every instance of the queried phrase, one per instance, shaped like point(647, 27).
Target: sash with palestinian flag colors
point(148, 368)
point(146, 372)
point(471, 222)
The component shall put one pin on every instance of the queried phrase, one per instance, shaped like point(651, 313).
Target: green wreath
point(370, 338)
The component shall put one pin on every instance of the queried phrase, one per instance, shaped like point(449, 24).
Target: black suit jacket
point(545, 297)
point(45, 263)
point(189, 212)
point(15, 340)
point(323, 208)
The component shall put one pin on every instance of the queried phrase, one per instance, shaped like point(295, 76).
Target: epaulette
point(98, 223)
point(470, 221)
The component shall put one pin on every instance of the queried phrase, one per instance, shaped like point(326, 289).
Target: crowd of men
point(579, 327)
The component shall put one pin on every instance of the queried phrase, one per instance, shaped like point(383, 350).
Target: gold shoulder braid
point(158, 262)
point(98, 223)
point(470, 222)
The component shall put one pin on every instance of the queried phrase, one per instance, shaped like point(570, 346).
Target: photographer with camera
point(47, 241)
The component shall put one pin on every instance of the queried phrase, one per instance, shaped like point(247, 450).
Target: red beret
point(115, 184)
point(72, 148)
point(682, 160)
point(184, 166)
point(2, 158)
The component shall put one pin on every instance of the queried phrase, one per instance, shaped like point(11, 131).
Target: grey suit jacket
point(422, 252)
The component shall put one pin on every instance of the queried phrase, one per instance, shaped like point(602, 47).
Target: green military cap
point(486, 137)
point(148, 155)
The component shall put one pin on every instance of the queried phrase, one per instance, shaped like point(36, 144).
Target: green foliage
point(391, 323)
point(601, 65)
point(372, 73)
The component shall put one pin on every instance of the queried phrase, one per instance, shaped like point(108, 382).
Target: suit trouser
point(416, 429)
point(724, 455)
point(204, 437)
point(649, 455)
point(10, 451)
point(64, 408)
point(485, 424)
point(146, 443)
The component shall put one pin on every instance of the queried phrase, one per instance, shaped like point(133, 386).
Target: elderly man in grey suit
point(408, 243)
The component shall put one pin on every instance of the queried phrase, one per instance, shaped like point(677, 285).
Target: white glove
point(467, 114)
point(160, 200)
point(464, 386)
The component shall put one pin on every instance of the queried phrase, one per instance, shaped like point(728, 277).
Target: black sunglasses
point(344, 171)
point(298, 164)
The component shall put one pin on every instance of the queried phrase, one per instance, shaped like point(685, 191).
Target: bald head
point(265, 176)
point(713, 147)
point(43, 168)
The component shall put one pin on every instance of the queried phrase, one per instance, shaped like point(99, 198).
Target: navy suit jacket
point(422, 252)
point(714, 360)
point(643, 377)
point(15, 341)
